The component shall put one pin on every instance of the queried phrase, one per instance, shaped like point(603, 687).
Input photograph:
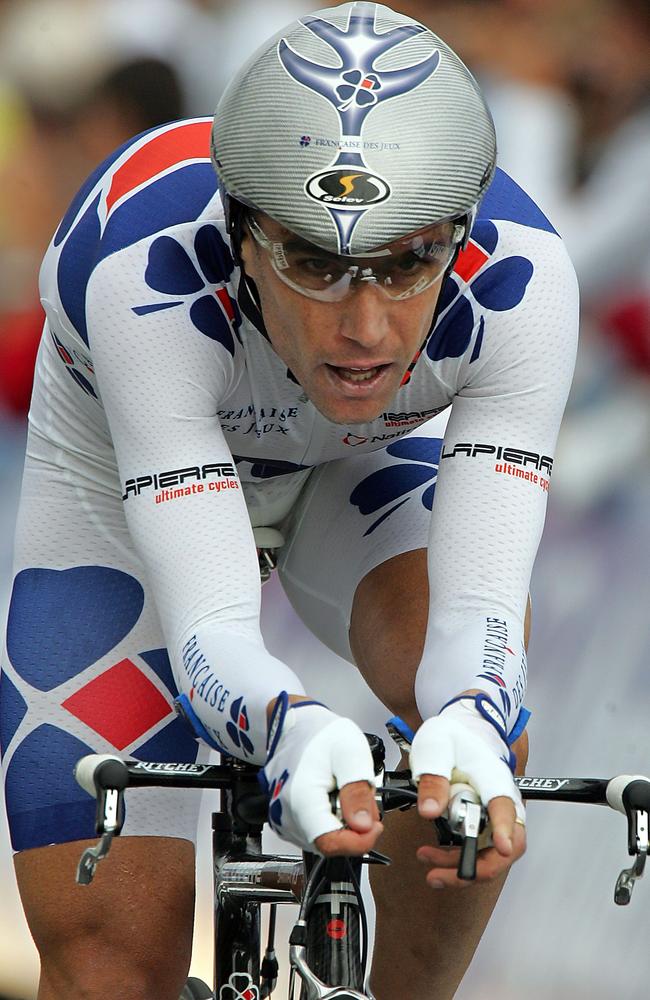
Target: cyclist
point(272, 349)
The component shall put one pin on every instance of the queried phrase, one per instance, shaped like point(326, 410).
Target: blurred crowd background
point(569, 88)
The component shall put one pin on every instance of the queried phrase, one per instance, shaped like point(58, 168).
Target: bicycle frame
point(244, 878)
point(325, 941)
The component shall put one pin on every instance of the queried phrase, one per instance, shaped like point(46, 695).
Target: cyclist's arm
point(491, 494)
point(161, 382)
point(488, 513)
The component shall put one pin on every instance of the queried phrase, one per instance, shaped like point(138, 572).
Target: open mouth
point(366, 377)
point(357, 374)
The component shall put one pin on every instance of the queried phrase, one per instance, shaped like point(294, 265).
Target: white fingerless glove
point(311, 751)
point(467, 743)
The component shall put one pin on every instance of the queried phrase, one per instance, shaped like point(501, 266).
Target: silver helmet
point(353, 127)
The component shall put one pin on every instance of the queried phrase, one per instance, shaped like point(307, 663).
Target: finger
point(448, 857)
point(441, 857)
point(433, 795)
point(490, 864)
point(358, 806)
point(348, 841)
point(438, 857)
point(518, 842)
point(502, 815)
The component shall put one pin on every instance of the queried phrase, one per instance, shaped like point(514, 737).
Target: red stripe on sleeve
point(187, 142)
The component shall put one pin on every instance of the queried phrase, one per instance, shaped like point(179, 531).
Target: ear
point(248, 254)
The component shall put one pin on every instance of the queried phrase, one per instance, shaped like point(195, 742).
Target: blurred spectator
point(80, 78)
point(206, 40)
point(77, 98)
point(518, 51)
point(606, 219)
point(569, 88)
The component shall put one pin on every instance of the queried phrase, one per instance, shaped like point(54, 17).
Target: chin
point(347, 412)
point(347, 415)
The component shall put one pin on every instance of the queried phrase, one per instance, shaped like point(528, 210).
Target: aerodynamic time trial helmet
point(353, 128)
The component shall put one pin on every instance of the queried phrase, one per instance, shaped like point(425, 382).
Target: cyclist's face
point(324, 342)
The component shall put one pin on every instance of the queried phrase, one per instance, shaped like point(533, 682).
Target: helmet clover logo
point(239, 987)
point(353, 87)
point(359, 88)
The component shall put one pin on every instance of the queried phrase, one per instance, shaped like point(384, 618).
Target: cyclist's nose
point(365, 315)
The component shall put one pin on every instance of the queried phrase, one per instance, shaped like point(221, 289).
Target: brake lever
point(109, 822)
point(638, 847)
point(466, 820)
point(105, 777)
point(91, 857)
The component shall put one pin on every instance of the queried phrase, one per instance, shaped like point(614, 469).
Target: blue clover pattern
point(414, 475)
point(358, 88)
point(201, 282)
point(237, 729)
point(65, 609)
point(275, 807)
point(498, 287)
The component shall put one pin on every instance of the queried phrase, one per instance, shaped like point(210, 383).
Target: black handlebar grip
point(636, 799)
point(637, 795)
point(96, 772)
point(112, 774)
point(467, 863)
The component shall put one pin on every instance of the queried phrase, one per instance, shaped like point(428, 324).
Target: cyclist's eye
point(317, 265)
point(410, 263)
point(322, 270)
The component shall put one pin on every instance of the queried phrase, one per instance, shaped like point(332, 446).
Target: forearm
point(232, 681)
point(485, 654)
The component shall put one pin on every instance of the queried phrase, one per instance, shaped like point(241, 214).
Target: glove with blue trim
point(467, 742)
point(311, 752)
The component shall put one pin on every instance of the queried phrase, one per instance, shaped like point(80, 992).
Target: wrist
point(292, 699)
point(476, 711)
point(480, 704)
point(278, 721)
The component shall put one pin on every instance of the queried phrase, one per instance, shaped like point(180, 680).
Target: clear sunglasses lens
point(403, 269)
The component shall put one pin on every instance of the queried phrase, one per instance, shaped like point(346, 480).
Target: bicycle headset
point(354, 146)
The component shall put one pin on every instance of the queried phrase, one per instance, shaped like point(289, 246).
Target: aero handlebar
point(464, 824)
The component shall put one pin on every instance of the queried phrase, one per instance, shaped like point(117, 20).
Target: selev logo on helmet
point(347, 187)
